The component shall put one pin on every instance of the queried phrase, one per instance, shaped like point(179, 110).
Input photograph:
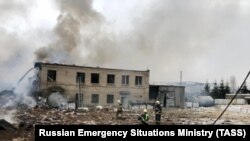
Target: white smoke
point(21, 34)
point(56, 100)
point(8, 115)
point(23, 90)
point(19, 95)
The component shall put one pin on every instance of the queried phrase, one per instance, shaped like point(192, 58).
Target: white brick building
point(97, 86)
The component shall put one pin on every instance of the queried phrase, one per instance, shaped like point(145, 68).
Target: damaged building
point(169, 95)
point(89, 86)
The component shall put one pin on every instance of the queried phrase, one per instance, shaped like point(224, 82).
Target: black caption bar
point(126, 132)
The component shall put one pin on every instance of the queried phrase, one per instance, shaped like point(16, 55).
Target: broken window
point(111, 78)
point(51, 75)
point(138, 80)
point(125, 79)
point(80, 77)
point(110, 99)
point(94, 77)
point(95, 99)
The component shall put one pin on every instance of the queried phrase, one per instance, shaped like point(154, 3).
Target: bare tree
point(233, 83)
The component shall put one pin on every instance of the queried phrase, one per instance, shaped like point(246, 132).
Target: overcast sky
point(208, 40)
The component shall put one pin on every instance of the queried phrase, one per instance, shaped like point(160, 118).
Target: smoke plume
point(77, 29)
point(16, 46)
point(165, 36)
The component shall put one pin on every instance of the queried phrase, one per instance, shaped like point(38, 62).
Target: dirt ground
point(28, 118)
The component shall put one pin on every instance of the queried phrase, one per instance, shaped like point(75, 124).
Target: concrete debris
point(28, 118)
point(5, 125)
point(83, 109)
point(100, 115)
point(99, 107)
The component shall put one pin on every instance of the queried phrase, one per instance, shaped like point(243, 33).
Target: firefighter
point(157, 110)
point(119, 110)
point(144, 117)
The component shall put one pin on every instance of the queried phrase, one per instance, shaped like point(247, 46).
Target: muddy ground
point(28, 118)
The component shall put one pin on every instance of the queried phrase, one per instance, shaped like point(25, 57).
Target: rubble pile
point(91, 117)
point(28, 118)
point(106, 116)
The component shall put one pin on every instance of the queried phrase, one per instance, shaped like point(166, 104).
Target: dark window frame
point(51, 75)
point(125, 79)
point(82, 77)
point(95, 78)
point(110, 98)
point(95, 98)
point(138, 80)
point(110, 79)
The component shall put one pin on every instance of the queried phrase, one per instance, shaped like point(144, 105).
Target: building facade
point(246, 97)
point(93, 85)
point(169, 95)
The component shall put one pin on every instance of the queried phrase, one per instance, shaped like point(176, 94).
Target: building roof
point(154, 85)
point(77, 66)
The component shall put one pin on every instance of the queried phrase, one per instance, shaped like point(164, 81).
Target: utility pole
point(181, 78)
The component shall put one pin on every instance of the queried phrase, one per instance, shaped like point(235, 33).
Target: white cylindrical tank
point(205, 101)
